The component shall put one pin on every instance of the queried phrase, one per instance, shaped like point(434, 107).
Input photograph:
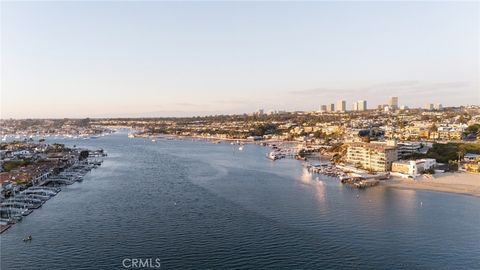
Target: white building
point(331, 107)
point(362, 105)
point(413, 168)
point(341, 106)
point(429, 106)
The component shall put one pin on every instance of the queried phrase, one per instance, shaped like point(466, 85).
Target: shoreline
point(213, 139)
point(461, 183)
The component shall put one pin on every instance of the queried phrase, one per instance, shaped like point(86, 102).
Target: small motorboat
point(29, 238)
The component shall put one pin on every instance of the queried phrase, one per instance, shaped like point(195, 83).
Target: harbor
point(22, 202)
point(348, 175)
point(218, 198)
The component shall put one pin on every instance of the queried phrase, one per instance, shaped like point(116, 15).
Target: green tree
point(472, 129)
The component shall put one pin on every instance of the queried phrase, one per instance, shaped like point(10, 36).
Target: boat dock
point(354, 179)
point(4, 227)
point(24, 202)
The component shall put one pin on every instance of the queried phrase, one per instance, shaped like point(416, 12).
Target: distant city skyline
point(142, 59)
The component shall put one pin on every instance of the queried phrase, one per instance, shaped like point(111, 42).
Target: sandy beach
point(460, 182)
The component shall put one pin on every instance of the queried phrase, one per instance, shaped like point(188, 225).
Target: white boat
point(272, 156)
point(240, 148)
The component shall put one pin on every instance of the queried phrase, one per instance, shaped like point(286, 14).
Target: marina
point(22, 203)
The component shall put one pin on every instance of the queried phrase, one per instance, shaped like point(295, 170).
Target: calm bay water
point(197, 205)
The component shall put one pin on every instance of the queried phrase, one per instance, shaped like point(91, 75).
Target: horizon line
point(226, 114)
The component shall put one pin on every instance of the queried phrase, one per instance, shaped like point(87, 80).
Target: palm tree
point(461, 154)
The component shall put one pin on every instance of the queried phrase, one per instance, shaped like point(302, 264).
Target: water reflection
point(306, 177)
point(316, 186)
point(410, 205)
point(321, 194)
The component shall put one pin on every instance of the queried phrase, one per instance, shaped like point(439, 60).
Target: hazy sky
point(96, 59)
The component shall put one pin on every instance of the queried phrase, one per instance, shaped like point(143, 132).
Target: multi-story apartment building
point(406, 149)
point(372, 156)
point(355, 106)
point(341, 106)
point(429, 106)
point(393, 103)
point(331, 107)
point(362, 105)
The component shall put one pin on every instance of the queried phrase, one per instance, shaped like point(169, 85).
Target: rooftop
point(372, 146)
